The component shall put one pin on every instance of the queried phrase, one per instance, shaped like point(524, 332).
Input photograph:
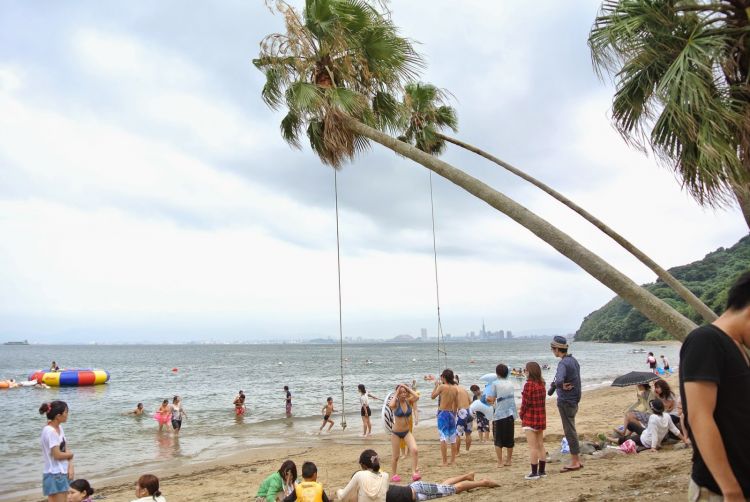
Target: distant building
point(424, 333)
point(403, 338)
point(509, 335)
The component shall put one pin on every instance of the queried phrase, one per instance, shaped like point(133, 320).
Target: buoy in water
point(174, 370)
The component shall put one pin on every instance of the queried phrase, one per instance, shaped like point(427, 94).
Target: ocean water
point(106, 442)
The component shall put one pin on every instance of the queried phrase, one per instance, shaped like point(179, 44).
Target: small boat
point(25, 342)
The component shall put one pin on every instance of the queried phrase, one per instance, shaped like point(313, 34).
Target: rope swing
point(440, 336)
point(341, 329)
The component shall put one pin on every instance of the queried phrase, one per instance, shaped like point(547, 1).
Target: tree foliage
point(709, 278)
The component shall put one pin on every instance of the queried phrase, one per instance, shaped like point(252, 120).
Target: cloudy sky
point(146, 194)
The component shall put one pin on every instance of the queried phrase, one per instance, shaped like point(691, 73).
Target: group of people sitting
point(655, 416)
point(369, 484)
point(146, 490)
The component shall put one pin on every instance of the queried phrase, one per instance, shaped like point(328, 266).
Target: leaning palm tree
point(682, 76)
point(429, 113)
point(336, 69)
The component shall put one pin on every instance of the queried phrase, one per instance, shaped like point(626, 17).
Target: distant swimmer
point(138, 411)
point(288, 401)
point(327, 412)
point(239, 403)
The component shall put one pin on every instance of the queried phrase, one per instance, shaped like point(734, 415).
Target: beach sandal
point(396, 478)
point(567, 468)
point(416, 476)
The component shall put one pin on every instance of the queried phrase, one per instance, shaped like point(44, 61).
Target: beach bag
point(628, 447)
point(564, 447)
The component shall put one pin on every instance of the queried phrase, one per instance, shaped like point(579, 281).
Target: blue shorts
point(55, 483)
point(446, 424)
point(463, 422)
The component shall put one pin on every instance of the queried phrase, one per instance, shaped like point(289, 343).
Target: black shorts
point(176, 424)
point(365, 411)
point(326, 417)
point(503, 432)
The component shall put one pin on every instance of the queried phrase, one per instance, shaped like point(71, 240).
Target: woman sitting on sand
point(402, 404)
point(278, 484)
point(147, 489)
point(639, 411)
point(80, 491)
point(420, 490)
point(367, 485)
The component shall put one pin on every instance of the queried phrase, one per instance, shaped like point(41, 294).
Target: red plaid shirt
point(533, 406)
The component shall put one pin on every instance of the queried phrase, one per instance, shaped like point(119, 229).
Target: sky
point(146, 193)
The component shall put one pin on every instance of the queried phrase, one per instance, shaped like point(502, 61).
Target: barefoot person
point(567, 384)
point(464, 418)
point(177, 413)
point(288, 401)
point(501, 394)
point(483, 423)
point(447, 390)
point(58, 459)
point(364, 409)
point(420, 490)
point(239, 403)
point(715, 383)
point(402, 404)
point(327, 412)
point(533, 416)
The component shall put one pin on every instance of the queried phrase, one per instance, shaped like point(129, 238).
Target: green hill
point(709, 279)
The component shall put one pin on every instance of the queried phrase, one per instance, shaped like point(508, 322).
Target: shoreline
point(237, 475)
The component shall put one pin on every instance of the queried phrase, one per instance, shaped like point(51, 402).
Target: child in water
point(163, 415)
point(239, 404)
point(327, 412)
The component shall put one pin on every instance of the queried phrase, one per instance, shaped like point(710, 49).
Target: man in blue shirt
point(501, 394)
point(567, 384)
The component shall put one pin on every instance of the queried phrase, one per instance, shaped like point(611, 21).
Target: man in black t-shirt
point(715, 388)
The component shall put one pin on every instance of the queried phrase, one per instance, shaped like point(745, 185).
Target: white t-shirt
point(363, 400)
point(657, 429)
point(50, 439)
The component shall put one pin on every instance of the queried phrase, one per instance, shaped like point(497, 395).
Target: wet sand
point(663, 475)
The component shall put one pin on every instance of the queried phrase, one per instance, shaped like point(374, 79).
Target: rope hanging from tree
point(440, 337)
point(341, 329)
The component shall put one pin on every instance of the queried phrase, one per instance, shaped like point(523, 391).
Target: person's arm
point(71, 470)
point(525, 396)
point(353, 484)
point(414, 396)
point(325, 497)
point(275, 487)
point(377, 398)
point(292, 497)
point(674, 429)
point(436, 391)
point(701, 397)
point(394, 400)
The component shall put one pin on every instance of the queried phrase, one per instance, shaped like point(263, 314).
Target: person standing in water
point(163, 414)
point(288, 401)
point(58, 459)
point(178, 412)
point(239, 403)
point(365, 410)
point(447, 390)
point(327, 412)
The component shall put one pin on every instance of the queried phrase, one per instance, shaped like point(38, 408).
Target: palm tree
point(428, 114)
point(681, 69)
point(335, 70)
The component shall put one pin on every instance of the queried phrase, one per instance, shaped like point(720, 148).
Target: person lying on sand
point(420, 490)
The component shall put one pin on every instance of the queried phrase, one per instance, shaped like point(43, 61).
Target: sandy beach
point(663, 475)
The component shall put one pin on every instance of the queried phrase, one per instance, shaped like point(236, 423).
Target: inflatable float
point(7, 384)
point(71, 378)
point(481, 404)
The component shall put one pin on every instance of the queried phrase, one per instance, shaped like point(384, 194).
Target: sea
point(107, 442)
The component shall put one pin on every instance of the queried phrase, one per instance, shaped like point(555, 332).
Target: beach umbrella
point(634, 378)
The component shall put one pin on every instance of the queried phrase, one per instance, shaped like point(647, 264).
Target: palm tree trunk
point(701, 308)
point(655, 309)
point(743, 200)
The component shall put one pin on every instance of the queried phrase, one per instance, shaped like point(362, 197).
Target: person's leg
point(463, 486)
point(468, 440)
point(458, 445)
point(368, 426)
point(507, 436)
point(540, 452)
point(498, 443)
point(533, 453)
point(636, 427)
point(411, 444)
point(454, 451)
point(469, 476)
point(330, 426)
point(364, 426)
point(58, 497)
point(568, 416)
point(394, 454)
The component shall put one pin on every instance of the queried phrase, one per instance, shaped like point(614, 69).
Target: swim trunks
point(446, 424)
point(326, 417)
point(463, 422)
point(429, 491)
point(176, 424)
point(483, 423)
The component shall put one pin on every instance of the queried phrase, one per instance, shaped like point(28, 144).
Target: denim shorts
point(55, 483)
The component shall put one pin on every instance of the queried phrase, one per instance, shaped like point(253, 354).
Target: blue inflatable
point(481, 404)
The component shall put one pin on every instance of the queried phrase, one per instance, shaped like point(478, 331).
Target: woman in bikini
point(365, 410)
point(402, 404)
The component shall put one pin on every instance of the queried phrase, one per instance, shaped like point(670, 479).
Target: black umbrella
point(634, 378)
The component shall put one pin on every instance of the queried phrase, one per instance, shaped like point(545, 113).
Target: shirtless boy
point(447, 390)
point(327, 412)
point(464, 418)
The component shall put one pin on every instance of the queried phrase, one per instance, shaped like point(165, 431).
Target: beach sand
point(663, 475)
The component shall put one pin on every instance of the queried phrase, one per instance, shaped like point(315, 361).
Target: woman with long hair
point(402, 404)
point(279, 484)
point(367, 485)
point(58, 459)
point(364, 409)
point(533, 416)
point(177, 412)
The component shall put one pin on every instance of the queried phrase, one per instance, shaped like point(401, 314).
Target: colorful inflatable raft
point(71, 378)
